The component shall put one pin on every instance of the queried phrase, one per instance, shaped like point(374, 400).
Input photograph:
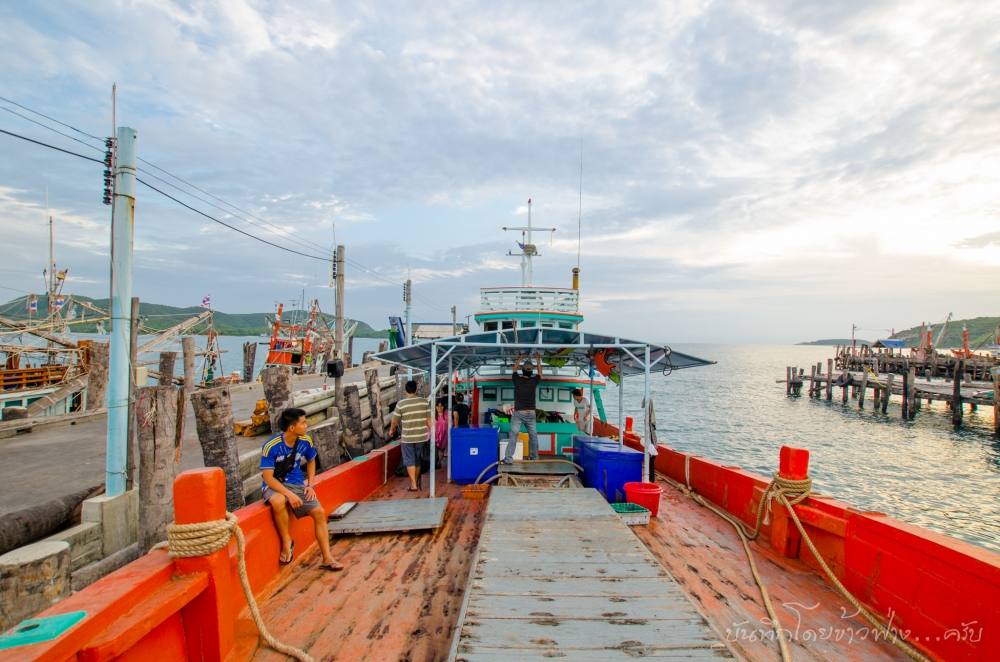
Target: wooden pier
point(888, 375)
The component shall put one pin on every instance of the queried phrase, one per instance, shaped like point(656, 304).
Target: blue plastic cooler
point(472, 450)
point(606, 467)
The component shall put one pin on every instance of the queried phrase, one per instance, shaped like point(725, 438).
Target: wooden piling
point(97, 376)
point(788, 380)
point(887, 392)
point(326, 437)
point(166, 370)
point(995, 372)
point(812, 380)
point(863, 388)
point(277, 381)
point(249, 358)
point(213, 414)
point(844, 394)
point(829, 380)
point(956, 393)
point(350, 423)
point(156, 414)
point(378, 415)
point(914, 401)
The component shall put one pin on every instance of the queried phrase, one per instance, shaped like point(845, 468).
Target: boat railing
point(552, 299)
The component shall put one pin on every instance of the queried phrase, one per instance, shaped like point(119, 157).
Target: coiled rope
point(788, 493)
point(204, 538)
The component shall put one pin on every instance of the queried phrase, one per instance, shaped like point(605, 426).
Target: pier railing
point(555, 299)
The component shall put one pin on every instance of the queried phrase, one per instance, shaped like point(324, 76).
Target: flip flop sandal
point(331, 567)
point(291, 555)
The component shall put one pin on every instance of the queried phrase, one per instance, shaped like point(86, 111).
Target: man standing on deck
point(581, 411)
point(414, 415)
point(285, 486)
point(525, 385)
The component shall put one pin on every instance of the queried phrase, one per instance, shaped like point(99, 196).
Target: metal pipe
point(645, 421)
point(122, 231)
point(621, 413)
point(450, 398)
point(434, 351)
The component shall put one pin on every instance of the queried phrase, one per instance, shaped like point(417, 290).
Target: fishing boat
point(298, 345)
point(731, 564)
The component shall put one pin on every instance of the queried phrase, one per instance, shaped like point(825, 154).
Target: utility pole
point(122, 231)
point(338, 322)
point(408, 299)
point(454, 321)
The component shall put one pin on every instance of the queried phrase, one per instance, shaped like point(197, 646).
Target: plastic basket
point(631, 513)
point(476, 491)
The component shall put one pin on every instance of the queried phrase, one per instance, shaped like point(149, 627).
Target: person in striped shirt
point(413, 416)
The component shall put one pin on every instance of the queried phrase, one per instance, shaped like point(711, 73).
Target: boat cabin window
point(490, 326)
point(507, 324)
point(547, 325)
point(528, 323)
point(565, 395)
point(565, 325)
point(546, 394)
point(490, 394)
point(506, 394)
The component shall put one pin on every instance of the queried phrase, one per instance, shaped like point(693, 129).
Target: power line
point(231, 227)
point(68, 126)
point(58, 149)
point(46, 126)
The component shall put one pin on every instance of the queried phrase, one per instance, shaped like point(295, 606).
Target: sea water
point(922, 472)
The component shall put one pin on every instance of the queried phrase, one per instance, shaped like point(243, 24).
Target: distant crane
point(940, 335)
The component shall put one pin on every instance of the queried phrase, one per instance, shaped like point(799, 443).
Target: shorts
point(413, 453)
point(298, 490)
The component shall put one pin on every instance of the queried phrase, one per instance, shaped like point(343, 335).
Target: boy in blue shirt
point(285, 486)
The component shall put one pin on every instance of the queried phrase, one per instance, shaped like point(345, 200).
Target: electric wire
point(46, 126)
point(58, 149)
point(68, 126)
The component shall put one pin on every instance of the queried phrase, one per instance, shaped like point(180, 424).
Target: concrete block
point(118, 517)
point(252, 488)
point(249, 463)
point(32, 578)
point(91, 572)
point(86, 543)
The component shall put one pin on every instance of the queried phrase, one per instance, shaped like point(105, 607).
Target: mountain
point(158, 317)
point(832, 342)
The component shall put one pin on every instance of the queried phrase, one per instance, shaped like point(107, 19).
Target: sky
point(751, 171)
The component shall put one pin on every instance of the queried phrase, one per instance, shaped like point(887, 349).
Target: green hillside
point(981, 330)
point(158, 317)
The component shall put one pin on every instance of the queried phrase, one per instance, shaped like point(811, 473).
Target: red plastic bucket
point(646, 495)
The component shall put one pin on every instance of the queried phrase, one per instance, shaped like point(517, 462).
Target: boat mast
point(528, 249)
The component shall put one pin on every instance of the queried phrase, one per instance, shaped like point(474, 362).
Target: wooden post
point(326, 436)
point(861, 392)
point(829, 380)
point(812, 380)
point(97, 376)
point(213, 414)
point(277, 380)
point(189, 351)
point(913, 402)
point(375, 402)
point(167, 361)
point(845, 374)
point(904, 406)
point(887, 391)
point(956, 393)
point(350, 423)
point(156, 414)
point(32, 578)
point(249, 359)
point(132, 452)
point(995, 372)
point(788, 380)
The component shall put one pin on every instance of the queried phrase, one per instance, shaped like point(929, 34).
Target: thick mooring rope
point(203, 538)
point(789, 493)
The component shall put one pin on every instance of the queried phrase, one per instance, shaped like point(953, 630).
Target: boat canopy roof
point(559, 347)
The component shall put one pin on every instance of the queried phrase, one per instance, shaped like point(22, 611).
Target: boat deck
point(401, 595)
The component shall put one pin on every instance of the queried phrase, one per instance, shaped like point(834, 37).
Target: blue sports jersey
point(276, 453)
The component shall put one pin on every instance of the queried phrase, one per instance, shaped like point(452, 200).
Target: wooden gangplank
point(557, 574)
point(391, 515)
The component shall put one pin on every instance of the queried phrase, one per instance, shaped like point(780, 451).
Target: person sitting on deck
point(413, 415)
point(460, 412)
point(525, 385)
point(285, 485)
point(581, 411)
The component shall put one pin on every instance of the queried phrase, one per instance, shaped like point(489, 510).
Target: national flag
point(206, 301)
point(33, 304)
point(60, 302)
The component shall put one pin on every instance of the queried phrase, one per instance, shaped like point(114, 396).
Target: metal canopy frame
point(572, 349)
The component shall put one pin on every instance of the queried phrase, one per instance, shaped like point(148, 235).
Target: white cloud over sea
point(766, 171)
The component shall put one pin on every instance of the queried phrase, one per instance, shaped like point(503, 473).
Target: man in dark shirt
point(460, 412)
point(525, 385)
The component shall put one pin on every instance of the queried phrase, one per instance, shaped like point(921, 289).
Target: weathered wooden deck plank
point(391, 515)
point(556, 599)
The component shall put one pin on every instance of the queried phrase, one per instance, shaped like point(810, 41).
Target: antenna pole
point(579, 214)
